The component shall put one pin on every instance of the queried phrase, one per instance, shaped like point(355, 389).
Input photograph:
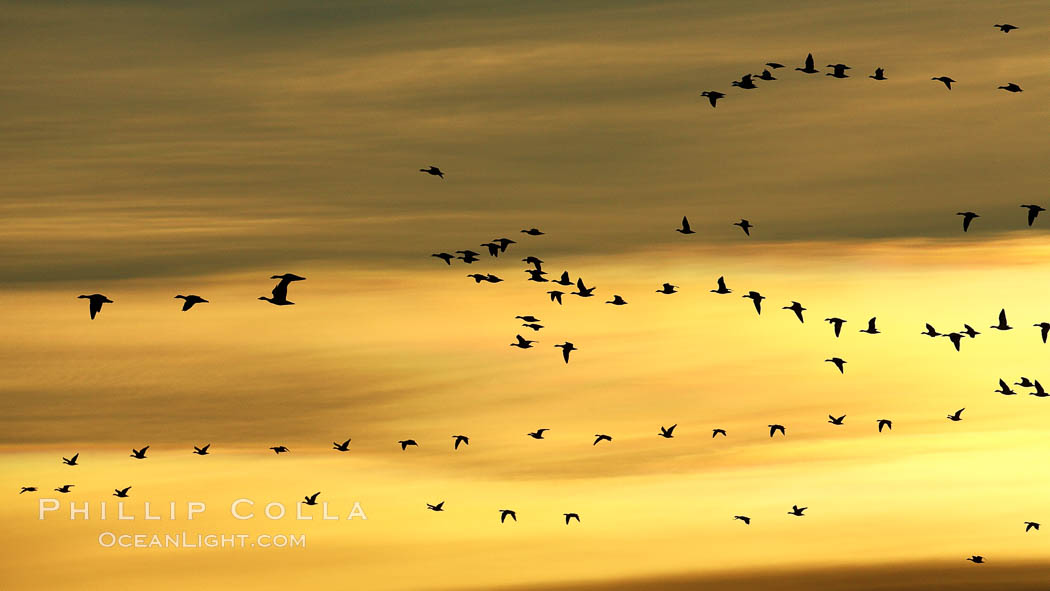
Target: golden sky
point(150, 150)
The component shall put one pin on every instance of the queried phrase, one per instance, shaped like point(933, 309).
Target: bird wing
point(1002, 317)
point(685, 223)
point(565, 353)
point(280, 291)
point(721, 283)
point(809, 62)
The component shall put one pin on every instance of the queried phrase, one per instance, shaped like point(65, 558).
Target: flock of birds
point(499, 246)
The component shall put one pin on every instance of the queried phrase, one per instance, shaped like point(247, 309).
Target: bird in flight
point(344, 446)
point(460, 439)
point(1002, 321)
point(756, 298)
point(840, 70)
point(765, 75)
point(1011, 87)
point(532, 232)
point(438, 507)
point(667, 288)
point(969, 331)
point(946, 80)
point(201, 451)
point(744, 518)
point(566, 348)
point(976, 559)
point(26, 489)
point(796, 510)
point(527, 318)
point(839, 363)
point(797, 309)
point(722, 432)
point(121, 492)
point(744, 225)
point(808, 69)
point(885, 423)
point(534, 261)
point(569, 516)
point(1024, 383)
point(311, 499)
point(955, 338)
point(503, 243)
point(492, 278)
point(878, 74)
point(138, 454)
point(871, 327)
point(433, 170)
point(522, 343)
point(65, 488)
point(930, 331)
point(1030, 525)
point(71, 461)
point(538, 433)
point(667, 432)
point(584, 291)
point(469, 256)
point(836, 420)
point(774, 428)
point(601, 437)
point(722, 287)
point(712, 96)
point(685, 229)
point(556, 296)
point(279, 449)
point(478, 277)
point(1044, 329)
point(533, 326)
point(745, 82)
point(1038, 390)
point(190, 300)
point(406, 443)
point(617, 301)
point(1004, 389)
point(968, 216)
point(837, 323)
point(504, 513)
point(95, 302)
point(957, 416)
point(537, 275)
point(564, 279)
point(1006, 28)
point(444, 256)
point(1033, 212)
point(280, 292)
point(492, 247)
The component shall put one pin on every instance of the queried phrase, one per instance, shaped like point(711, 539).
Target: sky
point(151, 150)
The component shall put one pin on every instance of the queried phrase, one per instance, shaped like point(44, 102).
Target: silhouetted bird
point(1006, 28)
point(836, 420)
point(969, 331)
point(885, 423)
point(469, 256)
point(584, 291)
point(1044, 329)
point(878, 74)
point(536, 275)
point(1033, 212)
point(717, 432)
point(667, 288)
point(438, 507)
point(796, 510)
point(1011, 87)
point(796, 308)
point(201, 451)
point(433, 170)
point(955, 338)
point(564, 279)
point(601, 437)
point(871, 327)
point(1024, 383)
point(532, 232)
point(311, 499)
point(765, 75)
point(930, 331)
point(1002, 321)
point(685, 229)
point(26, 489)
point(280, 292)
point(745, 226)
point(569, 516)
point(492, 278)
point(617, 301)
point(460, 439)
point(968, 216)
point(190, 300)
point(556, 296)
point(946, 80)
point(839, 363)
point(503, 243)
point(138, 454)
point(95, 302)
point(522, 343)
point(809, 69)
point(71, 461)
point(344, 446)
point(1038, 390)
point(745, 82)
point(667, 432)
point(528, 318)
point(1004, 389)
point(957, 416)
point(504, 513)
point(774, 428)
point(444, 256)
point(532, 325)
point(478, 277)
point(406, 443)
point(566, 348)
point(837, 323)
point(721, 287)
point(65, 488)
point(534, 261)
point(280, 449)
point(976, 559)
point(1030, 525)
point(757, 298)
point(840, 70)
point(744, 518)
point(538, 433)
point(493, 248)
point(774, 65)
point(712, 96)
point(121, 492)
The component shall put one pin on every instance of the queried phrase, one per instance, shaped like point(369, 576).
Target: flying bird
point(1006, 28)
point(280, 292)
point(685, 229)
point(667, 432)
point(745, 226)
point(976, 559)
point(492, 278)
point(522, 342)
point(564, 279)
point(406, 443)
point(1038, 390)
point(774, 428)
point(930, 331)
point(536, 275)
point(190, 300)
point(667, 288)
point(478, 277)
point(946, 80)
point(460, 439)
point(722, 432)
point(885, 423)
point(1002, 321)
point(95, 302)
point(503, 243)
point(839, 363)
point(600, 437)
point(878, 74)
point(797, 511)
point(1030, 525)
point(566, 348)
point(344, 446)
point(556, 296)
point(280, 449)
point(26, 489)
point(71, 461)
point(837, 323)
point(797, 309)
point(532, 232)
point(444, 256)
point(969, 331)
point(836, 420)
point(1033, 212)
point(201, 451)
point(871, 327)
point(1044, 329)
point(756, 298)
point(533, 325)
point(712, 96)
point(527, 318)
point(504, 513)
point(722, 287)
point(955, 338)
point(617, 301)
point(469, 256)
point(1004, 389)
point(569, 516)
point(745, 82)
point(65, 488)
point(1024, 383)
point(311, 499)
point(765, 75)
point(492, 247)
point(808, 69)
point(538, 433)
point(534, 261)
point(1011, 87)
point(433, 170)
point(138, 454)
point(968, 216)
point(840, 70)
point(121, 492)
point(957, 416)
point(584, 291)
point(438, 507)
